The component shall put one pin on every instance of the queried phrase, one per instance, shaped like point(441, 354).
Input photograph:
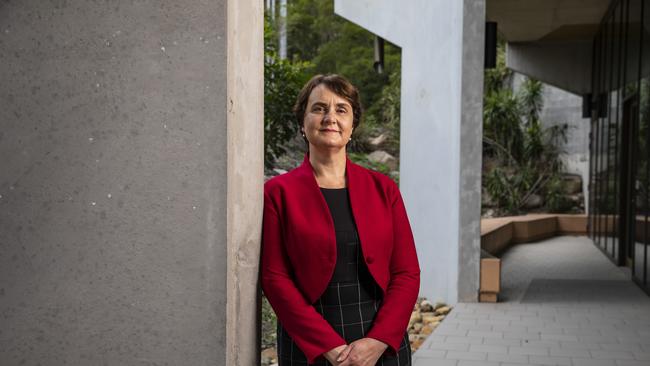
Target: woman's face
point(328, 119)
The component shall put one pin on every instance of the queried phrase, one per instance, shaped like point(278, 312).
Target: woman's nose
point(330, 116)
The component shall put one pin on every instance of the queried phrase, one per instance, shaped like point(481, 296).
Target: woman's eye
point(317, 109)
point(342, 110)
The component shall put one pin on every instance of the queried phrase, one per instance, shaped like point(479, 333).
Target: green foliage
point(496, 79)
point(384, 117)
point(335, 45)
point(531, 100)
point(506, 188)
point(362, 159)
point(282, 82)
point(502, 125)
point(310, 24)
point(269, 322)
point(320, 41)
point(556, 200)
point(527, 155)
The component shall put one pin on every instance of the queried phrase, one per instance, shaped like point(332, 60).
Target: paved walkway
point(563, 303)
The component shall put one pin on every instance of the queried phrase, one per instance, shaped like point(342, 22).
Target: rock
point(428, 317)
point(443, 310)
point(415, 317)
point(416, 343)
point(417, 327)
point(576, 199)
point(534, 201)
point(269, 356)
point(375, 142)
point(427, 329)
point(426, 306)
point(424, 320)
point(572, 183)
point(487, 200)
point(383, 157)
point(438, 305)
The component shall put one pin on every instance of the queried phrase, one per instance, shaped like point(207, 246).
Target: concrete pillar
point(441, 131)
point(130, 182)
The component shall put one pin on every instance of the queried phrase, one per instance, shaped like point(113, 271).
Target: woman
point(339, 265)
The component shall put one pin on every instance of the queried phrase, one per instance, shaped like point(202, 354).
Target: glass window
point(642, 179)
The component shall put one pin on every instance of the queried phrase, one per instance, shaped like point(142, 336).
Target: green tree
point(524, 154)
point(334, 45)
point(282, 82)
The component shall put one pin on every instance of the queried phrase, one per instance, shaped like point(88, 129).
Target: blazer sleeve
point(402, 291)
point(311, 332)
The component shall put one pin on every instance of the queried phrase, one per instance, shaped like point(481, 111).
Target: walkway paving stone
point(564, 303)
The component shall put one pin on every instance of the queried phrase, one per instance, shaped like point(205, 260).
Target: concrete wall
point(117, 138)
point(565, 64)
point(440, 149)
point(563, 107)
point(245, 131)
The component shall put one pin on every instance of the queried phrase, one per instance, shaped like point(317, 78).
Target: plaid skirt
point(350, 307)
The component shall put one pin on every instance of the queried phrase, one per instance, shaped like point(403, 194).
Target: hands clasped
point(362, 352)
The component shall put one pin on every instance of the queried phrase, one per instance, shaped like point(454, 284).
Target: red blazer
point(299, 254)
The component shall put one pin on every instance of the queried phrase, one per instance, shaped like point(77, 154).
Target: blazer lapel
point(356, 193)
point(317, 217)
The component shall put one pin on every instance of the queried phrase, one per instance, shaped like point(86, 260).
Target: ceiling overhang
point(546, 20)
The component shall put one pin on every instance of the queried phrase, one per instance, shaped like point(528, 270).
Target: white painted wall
point(434, 105)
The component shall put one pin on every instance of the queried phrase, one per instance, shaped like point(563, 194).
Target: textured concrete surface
point(245, 179)
point(567, 305)
point(113, 183)
point(564, 64)
point(440, 149)
point(471, 145)
point(546, 20)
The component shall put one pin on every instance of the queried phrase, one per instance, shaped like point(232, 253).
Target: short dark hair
point(336, 83)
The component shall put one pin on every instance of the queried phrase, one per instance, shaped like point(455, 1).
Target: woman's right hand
point(334, 353)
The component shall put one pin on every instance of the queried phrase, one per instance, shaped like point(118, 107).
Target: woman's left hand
point(362, 352)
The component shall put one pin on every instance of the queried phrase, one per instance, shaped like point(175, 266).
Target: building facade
point(597, 50)
point(620, 133)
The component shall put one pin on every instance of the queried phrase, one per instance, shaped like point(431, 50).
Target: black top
point(350, 266)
